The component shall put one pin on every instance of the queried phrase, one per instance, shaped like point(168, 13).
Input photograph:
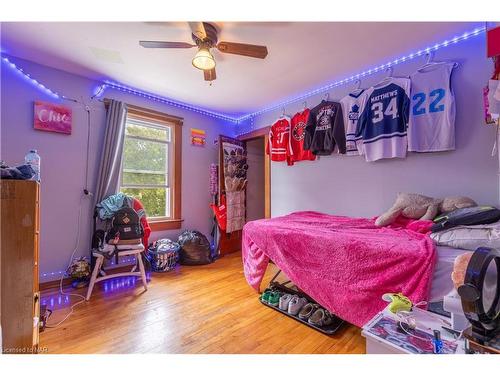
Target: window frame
point(175, 175)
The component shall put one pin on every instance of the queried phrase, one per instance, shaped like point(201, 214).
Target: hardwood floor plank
point(204, 309)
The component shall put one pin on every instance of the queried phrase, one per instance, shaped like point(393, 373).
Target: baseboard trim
point(47, 285)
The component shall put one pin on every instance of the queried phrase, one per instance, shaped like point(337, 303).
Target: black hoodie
point(325, 129)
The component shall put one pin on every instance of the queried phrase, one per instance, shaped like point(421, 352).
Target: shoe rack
point(329, 330)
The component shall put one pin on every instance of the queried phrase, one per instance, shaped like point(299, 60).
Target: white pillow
point(469, 237)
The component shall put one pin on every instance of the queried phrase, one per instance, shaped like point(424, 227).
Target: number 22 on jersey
point(435, 98)
point(379, 113)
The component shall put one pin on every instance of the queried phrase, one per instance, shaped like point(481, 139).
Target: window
point(151, 165)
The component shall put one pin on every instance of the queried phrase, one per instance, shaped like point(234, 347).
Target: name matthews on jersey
point(384, 96)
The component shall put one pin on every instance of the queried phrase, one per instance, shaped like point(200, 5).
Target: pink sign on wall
point(51, 117)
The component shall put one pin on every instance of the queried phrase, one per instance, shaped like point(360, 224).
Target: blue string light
point(30, 79)
point(118, 86)
point(128, 260)
point(366, 73)
point(99, 90)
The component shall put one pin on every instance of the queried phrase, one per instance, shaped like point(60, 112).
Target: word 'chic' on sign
point(51, 117)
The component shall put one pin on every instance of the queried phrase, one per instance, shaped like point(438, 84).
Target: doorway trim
point(264, 134)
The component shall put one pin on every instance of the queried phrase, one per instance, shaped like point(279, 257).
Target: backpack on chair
point(125, 225)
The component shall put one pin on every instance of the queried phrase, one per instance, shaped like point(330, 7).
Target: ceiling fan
point(204, 36)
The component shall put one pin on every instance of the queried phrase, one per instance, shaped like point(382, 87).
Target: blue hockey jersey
point(382, 125)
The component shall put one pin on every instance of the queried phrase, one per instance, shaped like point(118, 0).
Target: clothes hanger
point(390, 71)
point(429, 61)
point(304, 106)
point(357, 87)
point(282, 112)
point(326, 97)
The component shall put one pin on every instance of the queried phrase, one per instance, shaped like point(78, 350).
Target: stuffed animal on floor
point(420, 207)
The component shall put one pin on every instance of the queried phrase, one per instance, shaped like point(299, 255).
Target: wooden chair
point(99, 275)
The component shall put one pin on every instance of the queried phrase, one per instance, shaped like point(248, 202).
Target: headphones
point(480, 293)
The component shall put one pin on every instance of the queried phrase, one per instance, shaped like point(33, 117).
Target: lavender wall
point(345, 185)
point(63, 158)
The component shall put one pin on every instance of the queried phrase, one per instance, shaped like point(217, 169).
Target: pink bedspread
point(345, 264)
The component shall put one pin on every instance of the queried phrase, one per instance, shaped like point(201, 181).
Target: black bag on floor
point(195, 248)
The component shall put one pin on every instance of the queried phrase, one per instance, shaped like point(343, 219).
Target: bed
point(346, 264)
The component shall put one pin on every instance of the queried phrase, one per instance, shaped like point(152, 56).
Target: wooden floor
point(197, 309)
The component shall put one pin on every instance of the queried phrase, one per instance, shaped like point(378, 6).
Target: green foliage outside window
point(145, 167)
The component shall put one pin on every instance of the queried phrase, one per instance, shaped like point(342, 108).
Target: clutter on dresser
point(20, 172)
point(426, 333)
point(29, 170)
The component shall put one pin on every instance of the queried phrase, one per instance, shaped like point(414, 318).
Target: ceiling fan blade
point(250, 50)
point(156, 44)
point(198, 29)
point(209, 74)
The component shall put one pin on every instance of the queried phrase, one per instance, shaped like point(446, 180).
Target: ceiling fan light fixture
point(203, 59)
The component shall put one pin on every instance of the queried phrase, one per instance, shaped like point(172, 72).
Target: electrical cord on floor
point(86, 193)
point(61, 291)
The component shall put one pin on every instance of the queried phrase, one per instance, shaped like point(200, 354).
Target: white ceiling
point(302, 55)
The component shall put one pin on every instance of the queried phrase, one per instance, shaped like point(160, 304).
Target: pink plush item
point(345, 264)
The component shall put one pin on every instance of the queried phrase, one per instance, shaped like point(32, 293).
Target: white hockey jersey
point(352, 106)
point(383, 123)
point(432, 117)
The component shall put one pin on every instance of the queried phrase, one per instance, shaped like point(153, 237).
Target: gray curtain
point(111, 157)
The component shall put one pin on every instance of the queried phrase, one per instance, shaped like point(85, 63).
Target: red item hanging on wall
point(220, 213)
point(493, 42)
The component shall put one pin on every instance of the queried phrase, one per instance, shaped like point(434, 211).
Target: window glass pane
point(130, 177)
point(156, 201)
point(144, 156)
point(146, 130)
point(145, 164)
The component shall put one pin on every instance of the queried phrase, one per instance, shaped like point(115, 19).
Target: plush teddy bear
point(454, 203)
point(420, 207)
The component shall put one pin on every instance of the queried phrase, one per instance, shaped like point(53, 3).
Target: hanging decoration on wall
point(357, 76)
point(493, 42)
point(198, 137)
point(52, 117)
point(234, 180)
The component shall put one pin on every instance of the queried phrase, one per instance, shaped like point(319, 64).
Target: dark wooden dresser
point(20, 296)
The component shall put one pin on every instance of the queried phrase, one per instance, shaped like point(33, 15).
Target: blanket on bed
point(345, 264)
